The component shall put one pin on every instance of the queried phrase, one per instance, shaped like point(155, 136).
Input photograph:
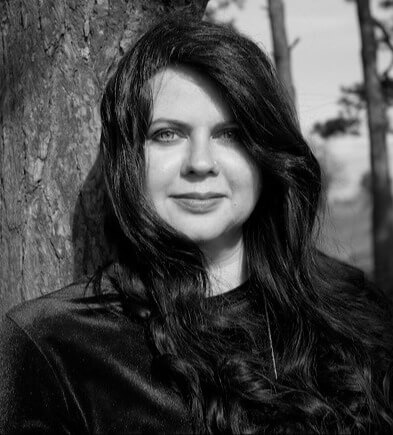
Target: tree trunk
point(281, 50)
point(377, 122)
point(55, 60)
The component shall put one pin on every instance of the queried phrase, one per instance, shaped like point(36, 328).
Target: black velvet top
point(70, 364)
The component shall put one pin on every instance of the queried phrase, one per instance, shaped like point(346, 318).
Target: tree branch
point(294, 43)
point(386, 38)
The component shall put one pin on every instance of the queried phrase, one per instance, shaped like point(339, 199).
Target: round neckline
point(232, 296)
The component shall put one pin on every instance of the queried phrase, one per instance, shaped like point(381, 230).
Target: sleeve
point(31, 398)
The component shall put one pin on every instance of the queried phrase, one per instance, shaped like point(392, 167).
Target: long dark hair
point(313, 352)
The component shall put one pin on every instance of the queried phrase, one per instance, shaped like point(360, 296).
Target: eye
point(166, 135)
point(230, 134)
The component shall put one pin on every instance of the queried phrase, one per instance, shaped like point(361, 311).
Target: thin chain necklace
point(270, 337)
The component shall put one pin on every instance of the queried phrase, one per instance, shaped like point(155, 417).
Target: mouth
point(198, 203)
point(199, 196)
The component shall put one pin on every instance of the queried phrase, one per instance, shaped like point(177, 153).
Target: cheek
point(247, 184)
point(245, 176)
point(161, 173)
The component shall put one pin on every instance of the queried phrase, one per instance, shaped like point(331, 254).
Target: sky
point(326, 57)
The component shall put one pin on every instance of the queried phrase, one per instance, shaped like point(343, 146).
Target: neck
point(227, 265)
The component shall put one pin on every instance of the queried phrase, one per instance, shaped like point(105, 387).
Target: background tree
point(382, 216)
point(281, 49)
point(55, 59)
point(374, 95)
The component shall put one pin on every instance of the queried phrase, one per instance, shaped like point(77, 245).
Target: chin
point(199, 238)
point(200, 234)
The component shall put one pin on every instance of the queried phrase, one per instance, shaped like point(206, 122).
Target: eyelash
point(232, 132)
point(156, 136)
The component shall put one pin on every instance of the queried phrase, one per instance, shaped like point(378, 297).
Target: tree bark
point(281, 49)
point(55, 59)
point(382, 215)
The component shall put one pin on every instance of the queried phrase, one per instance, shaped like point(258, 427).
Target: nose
point(199, 159)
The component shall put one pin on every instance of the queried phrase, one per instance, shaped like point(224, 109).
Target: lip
point(198, 203)
point(198, 195)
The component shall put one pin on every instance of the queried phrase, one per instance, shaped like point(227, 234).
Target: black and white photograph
point(196, 206)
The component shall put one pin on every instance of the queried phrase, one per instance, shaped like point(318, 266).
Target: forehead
point(181, 92)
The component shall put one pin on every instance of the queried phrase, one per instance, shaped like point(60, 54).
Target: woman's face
point(199, 177)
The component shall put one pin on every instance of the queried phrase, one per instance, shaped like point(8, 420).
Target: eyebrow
point(177, 123)
point(169, 121)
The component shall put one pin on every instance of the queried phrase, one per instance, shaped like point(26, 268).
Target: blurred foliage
point(336, 126)
point(352, 101)
point(386, 3)
point(347, 121)
point(366, 183)
point(214, 7)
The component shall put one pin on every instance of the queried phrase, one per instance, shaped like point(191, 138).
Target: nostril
point(199, 159)
point(201, 167)
point(200, 164)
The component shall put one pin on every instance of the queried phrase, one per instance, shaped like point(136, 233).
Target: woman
point(219, 314)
